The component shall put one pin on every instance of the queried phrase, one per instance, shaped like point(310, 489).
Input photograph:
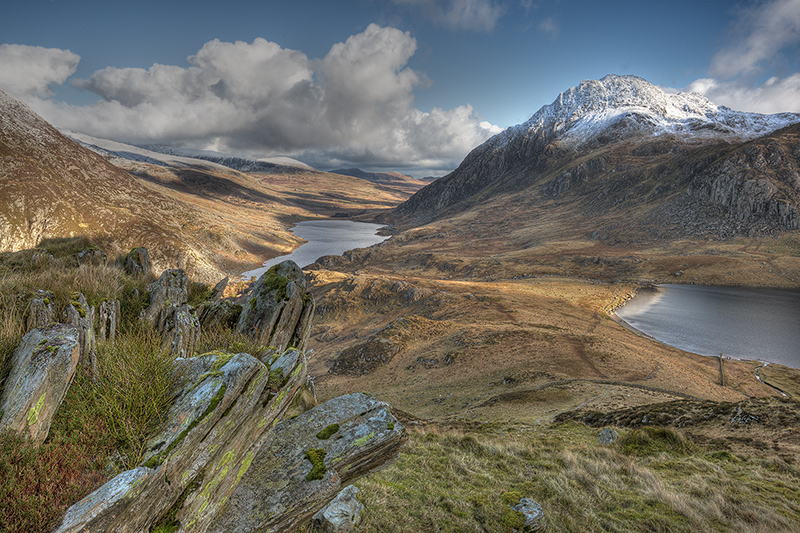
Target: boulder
point(170, 314)
point(42, 369)
point(97, 511)
point(220, 313)
point(293, 473)
point(42, 311)
point(81, 315)
point(341, 514)
point(608, 437)
point(279, 308)
point(534, 516)
point(137, 262)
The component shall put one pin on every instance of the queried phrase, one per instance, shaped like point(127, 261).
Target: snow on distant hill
point(172, 156)
point(242, 164)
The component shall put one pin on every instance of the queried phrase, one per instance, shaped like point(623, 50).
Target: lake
point(743, 323)
point(325, 237)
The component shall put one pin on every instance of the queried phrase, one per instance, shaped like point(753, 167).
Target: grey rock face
point(342, 514)
point(220, 313)
point(279, 309)
point(42, 369)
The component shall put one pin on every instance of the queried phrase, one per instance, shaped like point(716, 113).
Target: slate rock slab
point(42, 369)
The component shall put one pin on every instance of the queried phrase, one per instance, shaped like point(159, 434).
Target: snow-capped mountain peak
point(593, 106)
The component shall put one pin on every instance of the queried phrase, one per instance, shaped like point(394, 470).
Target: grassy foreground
point(652, 479)
point(104, 423)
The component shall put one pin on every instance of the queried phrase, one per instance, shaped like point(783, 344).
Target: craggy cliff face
point(652, 164)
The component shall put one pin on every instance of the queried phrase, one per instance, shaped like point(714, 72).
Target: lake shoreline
point(684, 316)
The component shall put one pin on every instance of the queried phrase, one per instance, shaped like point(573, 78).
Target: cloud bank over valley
point(354, 106)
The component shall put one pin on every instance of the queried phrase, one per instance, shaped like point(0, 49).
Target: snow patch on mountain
point(112, 150)
point(243, 164)
point(586, 111)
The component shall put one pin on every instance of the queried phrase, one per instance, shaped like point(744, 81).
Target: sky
point(408, 85)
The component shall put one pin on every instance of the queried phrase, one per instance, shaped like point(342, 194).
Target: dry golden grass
point(449, 480)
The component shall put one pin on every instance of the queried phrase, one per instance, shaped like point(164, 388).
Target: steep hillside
point(202, 216)
point(633, 163)
point(52, 187)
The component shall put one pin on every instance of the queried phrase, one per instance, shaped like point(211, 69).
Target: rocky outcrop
point(224, 462)
point(42, 368)
point(170, 314)
point(342, 514)
point(92, 256)
point(306, 471)
point(279, 309)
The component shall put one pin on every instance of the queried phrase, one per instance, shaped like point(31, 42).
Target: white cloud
point(760, 37)
point(474, 15)
point(30, 70)
point(355, 105)
point(760, 34)
point(776, 95)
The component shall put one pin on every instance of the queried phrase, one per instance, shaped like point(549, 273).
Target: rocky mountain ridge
point(635, 163)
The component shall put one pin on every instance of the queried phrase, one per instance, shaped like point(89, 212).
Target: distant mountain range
point(627, 161)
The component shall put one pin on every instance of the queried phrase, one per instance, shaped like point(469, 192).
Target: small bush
point(133, 389)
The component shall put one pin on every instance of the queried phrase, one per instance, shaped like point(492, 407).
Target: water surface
point(325, 237)
point(745, 323)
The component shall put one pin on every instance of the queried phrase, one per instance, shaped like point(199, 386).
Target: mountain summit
point(594, 106)
point(626, 160)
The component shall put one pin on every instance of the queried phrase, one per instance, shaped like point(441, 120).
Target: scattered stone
point(534, 517)
point(743, 418)
point(137, 262)
point(42, 311)
point(42, 369)
point(608, 437)
point(341, 514)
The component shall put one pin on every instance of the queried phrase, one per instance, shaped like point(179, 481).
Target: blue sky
point(380, 84)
